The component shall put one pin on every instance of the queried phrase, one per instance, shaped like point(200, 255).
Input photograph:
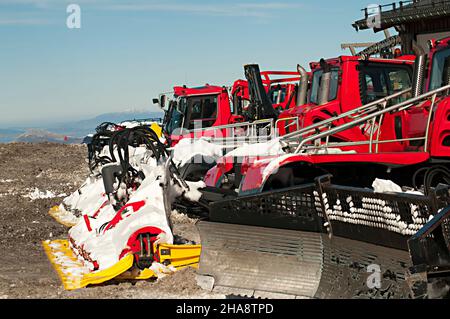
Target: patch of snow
point(70, 267)
point(385, 186)
point(193, 194)
point(131, 124)
point(161, 271)
point(333, 151)
point(37, 194)
point(65, 217)
point(88, 198)
point(188, 148)
point(270, 148)
point(180, 218)
point(8, 180)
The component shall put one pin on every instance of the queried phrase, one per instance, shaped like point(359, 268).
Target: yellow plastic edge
point(55, 212)
point(71, 282)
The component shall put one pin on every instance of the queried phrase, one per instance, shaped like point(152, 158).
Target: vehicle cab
point(191, 111)
point(351, 82)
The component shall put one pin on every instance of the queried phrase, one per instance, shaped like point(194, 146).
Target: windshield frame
point(334, 89)
point(173, 115)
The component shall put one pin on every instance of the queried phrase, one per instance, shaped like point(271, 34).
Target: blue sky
point(127, 52)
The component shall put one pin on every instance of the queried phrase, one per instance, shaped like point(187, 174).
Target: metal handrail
point(234, 125)
point(295, 122)
point(353, 114)
point(395, 108)
point(251, 129)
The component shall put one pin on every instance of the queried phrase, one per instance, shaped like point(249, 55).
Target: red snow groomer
point(219, 111)
point(313, 220)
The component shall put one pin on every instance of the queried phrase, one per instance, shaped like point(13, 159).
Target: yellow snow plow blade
point(75, 275)
point(61, 216)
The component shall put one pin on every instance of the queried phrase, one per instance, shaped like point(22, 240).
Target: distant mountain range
point(40, 136)
point(69, 132)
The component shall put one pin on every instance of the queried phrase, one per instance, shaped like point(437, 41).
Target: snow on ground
point(10, 192)
point(37, 194)
point(7, 180)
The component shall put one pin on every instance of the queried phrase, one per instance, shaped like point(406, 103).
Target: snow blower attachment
point(90, 197)
point(126, 233)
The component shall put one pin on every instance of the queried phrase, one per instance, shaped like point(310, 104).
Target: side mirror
point(162, 101)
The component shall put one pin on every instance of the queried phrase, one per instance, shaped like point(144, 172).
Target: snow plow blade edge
point(274, 263)
point(74, 275)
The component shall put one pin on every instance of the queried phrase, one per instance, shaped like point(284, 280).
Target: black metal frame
point(306, 208)
point(430, 246)
point(406, 12)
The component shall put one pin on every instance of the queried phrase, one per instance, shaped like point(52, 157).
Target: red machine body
point(409, 140)
point(354, 82)
point(199, 110)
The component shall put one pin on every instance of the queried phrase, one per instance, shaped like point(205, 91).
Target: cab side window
point(375, 86)
point(379, 81)
point(204, 110)
point(277, 94)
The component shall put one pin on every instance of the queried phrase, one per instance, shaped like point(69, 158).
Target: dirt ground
point(25, 271)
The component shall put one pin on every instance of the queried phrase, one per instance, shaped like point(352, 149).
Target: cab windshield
point(439, 73)
point(192, 112)
point(174, 119)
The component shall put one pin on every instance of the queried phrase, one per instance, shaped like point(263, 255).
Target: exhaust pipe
point(303, 90)
point(419, 70)
point(324, 83)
